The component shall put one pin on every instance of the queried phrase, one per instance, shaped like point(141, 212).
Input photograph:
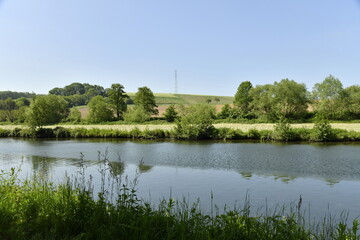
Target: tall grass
point(38, 209)
point(281, 132)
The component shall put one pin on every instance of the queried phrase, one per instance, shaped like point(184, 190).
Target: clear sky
point(213, 44)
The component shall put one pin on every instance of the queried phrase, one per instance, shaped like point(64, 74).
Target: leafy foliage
point(170, 113)
point(117, 99)
point(243, 98)
point(329, 96)
point(99, 110)
point(322, 130)
point(145, 99)
point(226, 112)
point(196, 122)
point(14, 95)
point(136, 115)
point(283, 131)
point(74, 115)
point(47, 109)
point(263, 104)
point(291, 99)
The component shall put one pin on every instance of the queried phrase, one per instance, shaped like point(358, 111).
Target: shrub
point(136, 115)
point(283, 132)
point(322, 131)
point(170, 114)
point(74, 116)
point(196, 122)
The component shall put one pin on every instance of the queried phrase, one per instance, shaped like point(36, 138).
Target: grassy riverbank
point(262, 132)
point(37, 209)
point(167, 126)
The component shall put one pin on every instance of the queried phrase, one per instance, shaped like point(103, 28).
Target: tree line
point(288, 99)
point(53, 108)
point(281, 100)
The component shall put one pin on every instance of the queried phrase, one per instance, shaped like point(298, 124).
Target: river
point(327, 176)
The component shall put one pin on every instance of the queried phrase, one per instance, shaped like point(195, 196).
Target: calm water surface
point(327, 176)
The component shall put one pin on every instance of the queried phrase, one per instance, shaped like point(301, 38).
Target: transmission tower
point(176, 83)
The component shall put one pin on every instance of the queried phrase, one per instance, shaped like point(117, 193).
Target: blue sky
point(213, 44)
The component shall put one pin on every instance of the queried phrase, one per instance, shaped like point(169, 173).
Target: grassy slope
point(169, 98)
point(165, 99)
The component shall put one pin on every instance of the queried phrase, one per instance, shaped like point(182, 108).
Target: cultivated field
point(243, 127)
point(163, 100)
point(169, 98)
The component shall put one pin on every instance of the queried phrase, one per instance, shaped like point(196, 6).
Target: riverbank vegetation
point(319, 132)
point(35, 208)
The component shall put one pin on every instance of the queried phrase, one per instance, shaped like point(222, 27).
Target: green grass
point(39, 209)
point(169, 98)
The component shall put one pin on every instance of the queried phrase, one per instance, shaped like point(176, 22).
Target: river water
point(327, 176)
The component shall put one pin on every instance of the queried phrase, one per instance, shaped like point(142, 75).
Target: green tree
point(352, 94)
point(8, 106)
point(117, 99)
point(243, 97)
point(74, 115)
point(21, 102)
point(262, 104)
point(290, 99)
point(99, 110)
point(225, 112)
point(145, 99)
point(170, 113)
point(329, 98)
point(196, 122)
point(47, 109)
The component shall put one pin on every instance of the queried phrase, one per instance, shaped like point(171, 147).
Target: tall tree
point(47, 109)
point(99, 110)
point(330, 89)
point(352, 94)
point(290, 98)
point(243, 98)
point(328, 97)
point(145, 99)
point(262, 103)
point(117, 99)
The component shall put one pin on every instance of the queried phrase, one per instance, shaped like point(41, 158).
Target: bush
point(283, 132)
point(196, 122)
point(322, 131)
point(170, 114)
point(136, 115)
point(74, 116)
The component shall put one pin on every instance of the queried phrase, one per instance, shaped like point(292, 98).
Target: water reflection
point(332, 161)
point(117, 168)
point(41, 166)
point(143, 168)
point(246, 175)
point(285, 179)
